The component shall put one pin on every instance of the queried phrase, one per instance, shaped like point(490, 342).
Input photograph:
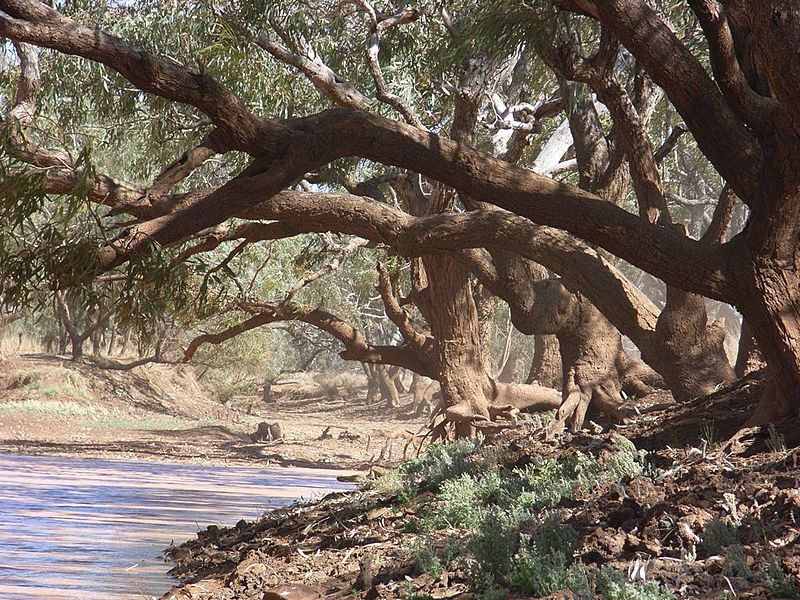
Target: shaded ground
point(702, 517)
point(50, 405)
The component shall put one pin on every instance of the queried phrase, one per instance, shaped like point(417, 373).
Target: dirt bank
point(51, 405)
point(693, 517)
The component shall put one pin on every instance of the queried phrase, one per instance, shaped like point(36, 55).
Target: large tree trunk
point(451, 313)
point(595, 367)
point(688, 352)
point(774, 317)
point(748, 357)
point(546, 364)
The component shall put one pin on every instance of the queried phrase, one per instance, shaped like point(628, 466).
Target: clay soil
point(700, 474)
point(54, 406)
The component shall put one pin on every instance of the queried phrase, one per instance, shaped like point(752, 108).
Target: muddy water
point(90, 529)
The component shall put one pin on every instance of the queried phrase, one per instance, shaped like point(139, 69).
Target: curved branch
point(36, 23)
point(755, 110)
point(336, 133)
point(722, 137)
point(775, 25)
point(341, 91)
point(356, 346)
point(412, 334)
point(373, 45)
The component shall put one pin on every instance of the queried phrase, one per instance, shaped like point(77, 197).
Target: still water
point(88, 529)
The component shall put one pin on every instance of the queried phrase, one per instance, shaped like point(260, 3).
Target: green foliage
point(717, 536)
point(736, 562)
point(512, 541)
point(778, 584)
point(427, 558)
point(440, 462)
point(613, 586)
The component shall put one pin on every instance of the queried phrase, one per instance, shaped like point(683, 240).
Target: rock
point(364, 579)
point(292, 591)
point(267, 432)
point(275, 431)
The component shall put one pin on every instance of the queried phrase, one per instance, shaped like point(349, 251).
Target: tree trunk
point(77, 347)
point(595, 368)
point(748, 358)
point(373, 385)
point(546, 364)
point(450, 310)
point(387, 387)
point(687, 351)
point(774, 317)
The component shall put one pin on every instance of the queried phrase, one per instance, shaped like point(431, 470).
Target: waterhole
point(73, 528)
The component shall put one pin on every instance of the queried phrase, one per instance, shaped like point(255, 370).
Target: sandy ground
point(53, 406)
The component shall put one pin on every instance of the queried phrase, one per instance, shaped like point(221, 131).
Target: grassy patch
point(94, 416)
point(155, 422)
point(59, 408)
point(68, 385)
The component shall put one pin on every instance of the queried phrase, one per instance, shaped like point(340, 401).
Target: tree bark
point(687, 351)
point(449, 309)
point(748, 358)
point(546, 364)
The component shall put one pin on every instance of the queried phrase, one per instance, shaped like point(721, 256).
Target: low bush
point(508, 520)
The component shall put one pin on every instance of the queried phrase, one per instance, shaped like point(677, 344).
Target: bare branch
point(356, 346)
point(721, 221)
point(412, 334)
point(669, 143)
point(341, 91)
point(342, 254)
point(378, 27)
point(181, 168)
point(722, 137)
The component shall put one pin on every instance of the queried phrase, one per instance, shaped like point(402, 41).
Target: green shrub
point(510, 544)
point(440, 463)
point(778, 585)
point(736, 562)
point(461, 501)
point(426, 558)
point(613, 585)
point(543, 564)
point(717, 536)
point(493, 545)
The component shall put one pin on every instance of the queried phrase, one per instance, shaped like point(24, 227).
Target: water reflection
point(90, 529)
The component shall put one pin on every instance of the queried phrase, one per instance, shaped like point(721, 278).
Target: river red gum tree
point(744, 116)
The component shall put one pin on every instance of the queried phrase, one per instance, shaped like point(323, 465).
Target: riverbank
point(56, 407)
point(674, 509)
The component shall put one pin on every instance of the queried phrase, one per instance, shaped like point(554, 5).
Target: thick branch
point(722, 137)
point(322, 138)
point(356, 347)
point(721, 220)
point(754, 109)
point(36, 23)
point(776, 25)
